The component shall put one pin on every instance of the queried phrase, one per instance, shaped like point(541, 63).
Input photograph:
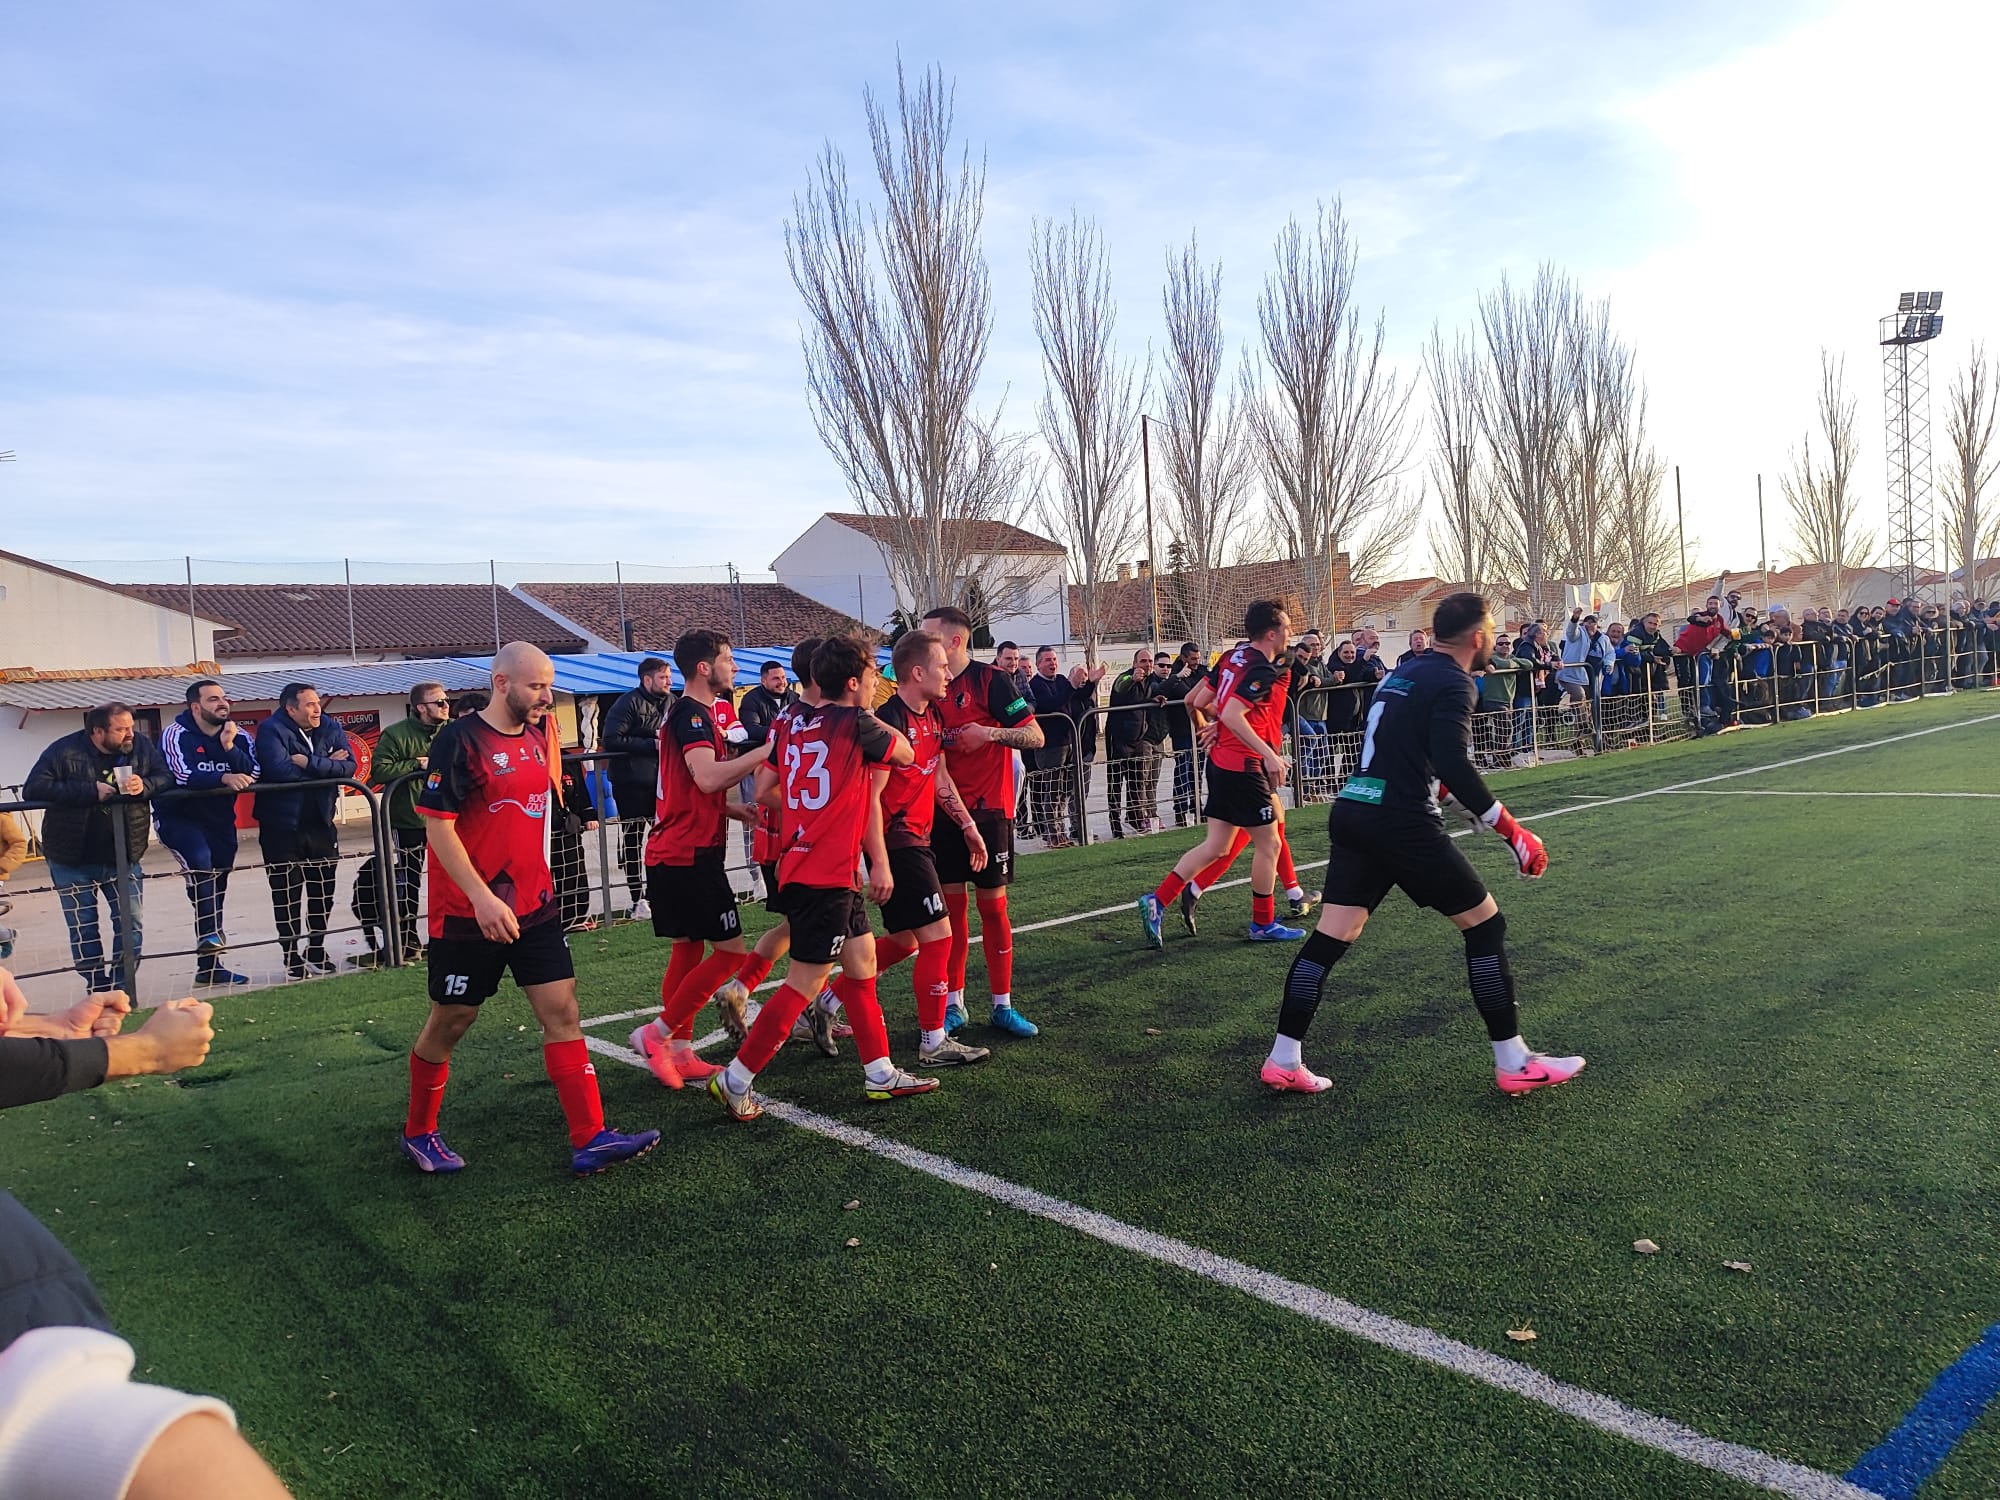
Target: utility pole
point(1152, 561)
point(1681, 521)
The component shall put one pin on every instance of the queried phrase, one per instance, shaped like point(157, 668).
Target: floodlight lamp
point(1937, 301)
point(1906, 302)
point(1937, 324)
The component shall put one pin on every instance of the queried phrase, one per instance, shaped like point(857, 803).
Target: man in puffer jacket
point(295, 829)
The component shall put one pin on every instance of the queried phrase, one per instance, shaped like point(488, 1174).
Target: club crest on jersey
point(434, 781)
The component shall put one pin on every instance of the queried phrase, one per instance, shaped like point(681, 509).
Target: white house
point(841, 562)
point(54, 620)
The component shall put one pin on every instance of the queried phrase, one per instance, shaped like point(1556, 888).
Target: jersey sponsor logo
point(1367, 789)
point(1017, 706)
point(537, 805)
point(501, 765)
point(1399, 686)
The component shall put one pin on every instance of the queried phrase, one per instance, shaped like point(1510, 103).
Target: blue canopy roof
point(618, 671)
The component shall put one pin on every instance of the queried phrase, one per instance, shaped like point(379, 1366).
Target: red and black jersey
point(496, 789)
point(822, 755)
point(909, 801)
point(687, 820)
point(1249, 675)
point(983, 694)
point(764, 842)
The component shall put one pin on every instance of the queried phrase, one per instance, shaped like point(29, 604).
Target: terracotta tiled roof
point(987, 536)
point(106, 674)
point(407, 619)
point(773, 615)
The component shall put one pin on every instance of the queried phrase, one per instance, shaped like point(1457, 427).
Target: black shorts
point(1370, 852)
point(1240, 798)
point(954, 863)
point(466, 971)
point(770, 874)
point(693, 902)
point(918, 899)
point(822, 921)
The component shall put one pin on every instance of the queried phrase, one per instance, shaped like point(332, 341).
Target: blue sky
point(443, 282)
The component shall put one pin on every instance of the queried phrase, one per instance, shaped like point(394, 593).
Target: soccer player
point(1387, 830)
point(1245, 772)
point(914, 913)
point(687, 886)
point(494, 911)
point(732, 1000)
point(985, 720)
point(829, 764)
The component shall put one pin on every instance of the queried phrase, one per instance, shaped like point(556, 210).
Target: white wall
point(841, 568)
point(54, 623)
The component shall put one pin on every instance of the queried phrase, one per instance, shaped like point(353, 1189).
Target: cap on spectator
point(1893, 604)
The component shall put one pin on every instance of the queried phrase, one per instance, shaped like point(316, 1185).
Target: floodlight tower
point(1905, 336)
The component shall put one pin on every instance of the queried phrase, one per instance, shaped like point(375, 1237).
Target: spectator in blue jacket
point(206, 749)
point(295, 829)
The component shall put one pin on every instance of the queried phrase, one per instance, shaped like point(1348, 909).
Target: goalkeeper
point(1386, 829)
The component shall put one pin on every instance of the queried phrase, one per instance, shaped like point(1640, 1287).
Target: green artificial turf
point(1787, 1004)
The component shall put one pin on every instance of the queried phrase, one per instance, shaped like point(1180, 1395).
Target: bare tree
point(1969, 428)
point(1601, 367)
point(1089, 415)
point(1527, 399)
point(1463, 545)
point(1207, 458)
point(894, 350)
point(1825, 508)
point(1326, 413)
point(1644, 544)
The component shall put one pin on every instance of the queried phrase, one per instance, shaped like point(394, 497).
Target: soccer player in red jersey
point(1245, 771)
point(829, 763)
point(732, 1000)
point(915, 794)
point(494, 910)
point(985, 721)
point(687, 886)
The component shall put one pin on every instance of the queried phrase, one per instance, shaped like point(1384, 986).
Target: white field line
point(1773, 792)
point(1678, 787)
point(1750, 1465)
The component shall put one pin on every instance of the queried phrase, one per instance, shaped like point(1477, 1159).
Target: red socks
point(570, 1070)
point(1219, 867)
point(1170, 888)
point(772, 1026)
point(755, 970)
point(961, 936)
point(890, 951)
point(933, 982)
point(686, 957)
point(427, 1093)
point(1288, 877)
point(864, 1014)
point(1264, 909)
point(695, 989)
point(996, 940)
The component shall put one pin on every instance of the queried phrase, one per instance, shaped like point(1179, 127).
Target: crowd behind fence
point(1124, 771)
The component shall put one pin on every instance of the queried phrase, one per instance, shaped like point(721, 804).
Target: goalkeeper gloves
point(1529, 854)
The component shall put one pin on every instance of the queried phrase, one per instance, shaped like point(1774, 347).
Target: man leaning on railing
point(104, 771)
point(295, 828)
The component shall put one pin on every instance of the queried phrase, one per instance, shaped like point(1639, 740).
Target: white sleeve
point(73, 1426)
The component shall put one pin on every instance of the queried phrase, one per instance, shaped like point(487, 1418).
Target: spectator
point(754, 712)
point(1988, 614)
point(1056, 701)
point(632, 733)
point(403, 751)
point(1134, 733)
point(13, 850)
point(1087, 725)
point(1658, 657)
point(1585, 657)
point(576, 816)
point(1350, 679)
point(1838, 648)
point(1793, 660)
point(1492, 735)
point(1180, 678)
point(1419, 644)
point(206, 749)
point(103, 772)
point(301, 743)
point(470, 702)
point(1308, 704)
